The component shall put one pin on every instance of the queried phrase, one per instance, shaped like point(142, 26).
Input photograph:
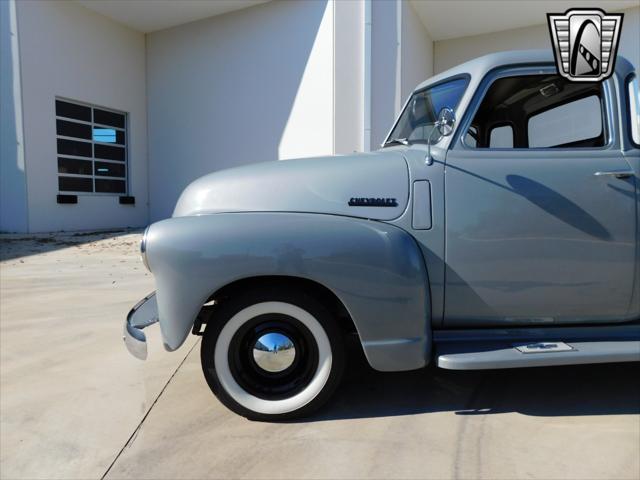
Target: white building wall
point(402, 57)
point(348, 79)
point(309, 130)
point(13, 182)
point(385, 68)
point(69, 51)
point(416, 51)
point(248, 86)
point(449, 53)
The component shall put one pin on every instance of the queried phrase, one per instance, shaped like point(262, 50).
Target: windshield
point(419, 116)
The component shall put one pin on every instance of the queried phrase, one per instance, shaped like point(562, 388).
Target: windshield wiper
point(396, 141)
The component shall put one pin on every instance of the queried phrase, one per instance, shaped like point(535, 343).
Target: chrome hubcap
point(274, 352)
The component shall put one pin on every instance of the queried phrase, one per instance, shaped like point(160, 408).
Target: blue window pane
point(107, 135)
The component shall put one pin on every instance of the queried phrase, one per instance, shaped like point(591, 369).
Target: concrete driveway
point(74, 404)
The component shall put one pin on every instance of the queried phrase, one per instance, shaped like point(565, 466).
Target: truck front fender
point(375, 269)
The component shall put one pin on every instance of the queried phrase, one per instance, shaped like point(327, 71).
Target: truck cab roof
point(479, 67)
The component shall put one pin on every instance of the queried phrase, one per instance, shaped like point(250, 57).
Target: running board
point(518, 348)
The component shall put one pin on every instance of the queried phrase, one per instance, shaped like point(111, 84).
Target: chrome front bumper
point(143, 314)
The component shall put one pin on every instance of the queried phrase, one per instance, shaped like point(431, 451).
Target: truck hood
point(369, 185)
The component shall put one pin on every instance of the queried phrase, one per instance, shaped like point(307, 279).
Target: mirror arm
point(429, 158)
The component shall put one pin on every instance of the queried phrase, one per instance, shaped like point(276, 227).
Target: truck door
point(540, 205)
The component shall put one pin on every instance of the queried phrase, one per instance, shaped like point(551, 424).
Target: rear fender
point(375, 269)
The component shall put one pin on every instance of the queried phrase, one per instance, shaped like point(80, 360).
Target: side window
point(501, 137)
point(634, 108)
point(564, 125)
point(539, 111)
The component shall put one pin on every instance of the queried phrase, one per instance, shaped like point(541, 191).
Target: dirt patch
point(18, 247)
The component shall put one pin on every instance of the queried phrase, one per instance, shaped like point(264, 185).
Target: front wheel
point(270, 355)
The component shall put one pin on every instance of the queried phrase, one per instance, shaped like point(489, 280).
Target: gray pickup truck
point(497, 227)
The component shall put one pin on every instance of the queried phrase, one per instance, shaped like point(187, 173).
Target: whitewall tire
point(271, 355)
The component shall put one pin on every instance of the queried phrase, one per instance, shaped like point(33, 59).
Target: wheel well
point(321, 293)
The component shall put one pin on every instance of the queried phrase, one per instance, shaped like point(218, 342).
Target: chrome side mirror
point(444, 126)
point(446, 121)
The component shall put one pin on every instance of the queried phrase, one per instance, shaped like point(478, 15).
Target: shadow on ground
point(23, 245)
point(603, 389)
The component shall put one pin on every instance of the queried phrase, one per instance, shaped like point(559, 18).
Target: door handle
point(618, 174)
